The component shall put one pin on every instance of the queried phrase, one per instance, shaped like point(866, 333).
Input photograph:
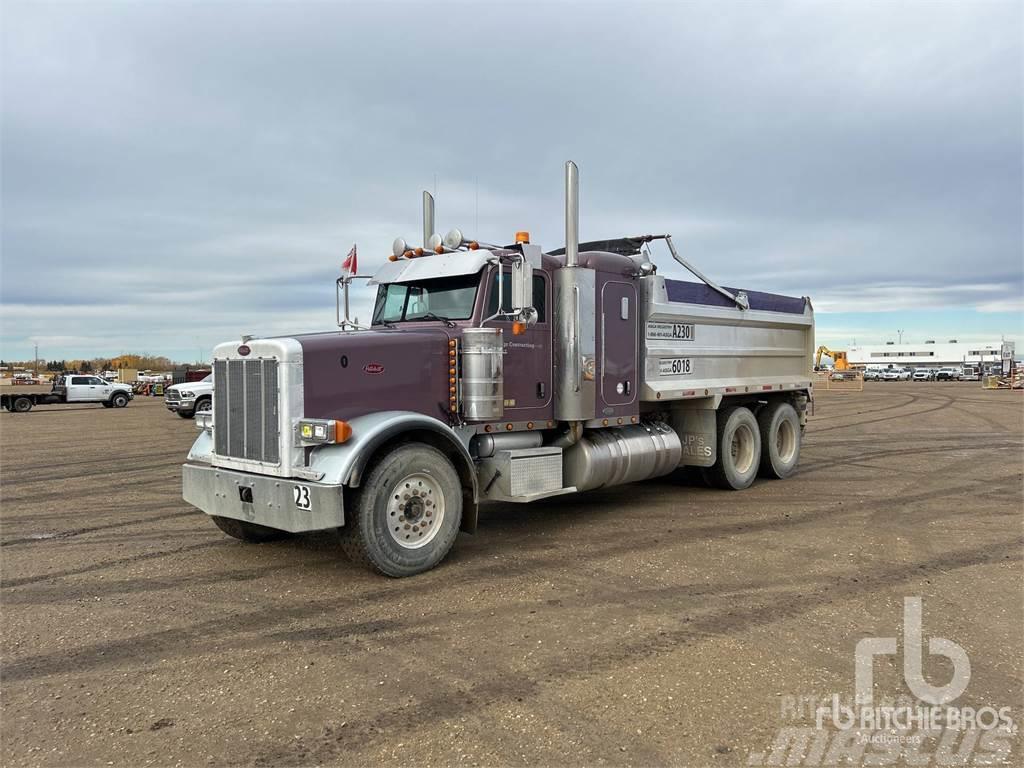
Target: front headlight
point(183, 393)
point(321, 431)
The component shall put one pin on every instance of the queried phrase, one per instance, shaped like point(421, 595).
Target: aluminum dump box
point(696, 342)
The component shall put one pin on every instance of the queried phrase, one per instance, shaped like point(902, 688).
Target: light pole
point(899, 332)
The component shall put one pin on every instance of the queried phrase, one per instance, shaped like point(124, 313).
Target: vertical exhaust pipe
point(428, 216)
point(572, 214)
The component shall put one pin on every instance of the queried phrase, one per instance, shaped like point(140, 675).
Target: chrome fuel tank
point(623, 455)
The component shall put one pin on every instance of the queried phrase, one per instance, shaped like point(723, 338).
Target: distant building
point(928, 354)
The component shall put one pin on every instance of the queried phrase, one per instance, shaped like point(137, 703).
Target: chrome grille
point(245, 409)
point(173, 394)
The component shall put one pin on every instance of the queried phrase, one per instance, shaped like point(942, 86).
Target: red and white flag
point(350, 265)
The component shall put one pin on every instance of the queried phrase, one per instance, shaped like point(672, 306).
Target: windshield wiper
point(432, 316)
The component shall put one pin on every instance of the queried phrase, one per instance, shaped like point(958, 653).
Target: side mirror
point(522, 286)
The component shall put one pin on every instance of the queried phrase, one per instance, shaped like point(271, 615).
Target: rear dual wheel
point(739, 450)
point(768, 444)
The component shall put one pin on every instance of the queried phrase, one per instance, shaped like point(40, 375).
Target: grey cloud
point(208, 166)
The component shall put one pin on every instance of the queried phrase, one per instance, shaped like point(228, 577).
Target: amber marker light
point(474, 246)
point(518, 328)
point(342, 431)
point(522, 237)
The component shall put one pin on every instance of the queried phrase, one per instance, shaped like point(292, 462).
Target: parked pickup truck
point(499, 373)
point(72, 388)
point(190, 397)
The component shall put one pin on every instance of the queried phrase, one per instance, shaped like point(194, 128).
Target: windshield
point(448, 298)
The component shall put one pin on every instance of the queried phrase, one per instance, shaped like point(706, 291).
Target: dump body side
point(695, 343)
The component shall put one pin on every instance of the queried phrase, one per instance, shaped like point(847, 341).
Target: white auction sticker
point(675, 366)
point(672, 331)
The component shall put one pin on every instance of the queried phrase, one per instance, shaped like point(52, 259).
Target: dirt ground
point(655, 624)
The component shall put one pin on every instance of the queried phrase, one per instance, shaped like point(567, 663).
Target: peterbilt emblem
point(373, 368)
point(244, 350)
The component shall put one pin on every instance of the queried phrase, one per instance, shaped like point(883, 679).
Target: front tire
point(739, 450)
point(185, 414)
point(119, 400)
point(406, 515)
point(244, 531)
point(780, 440)
point(203, 404)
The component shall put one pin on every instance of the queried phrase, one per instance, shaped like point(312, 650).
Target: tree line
point(96, 364)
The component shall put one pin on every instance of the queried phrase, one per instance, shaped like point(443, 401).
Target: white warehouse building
point(928, 354)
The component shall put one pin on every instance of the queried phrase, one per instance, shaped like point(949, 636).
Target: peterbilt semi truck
point(498, 373)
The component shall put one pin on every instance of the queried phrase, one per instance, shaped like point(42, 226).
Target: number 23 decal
point(301, 494)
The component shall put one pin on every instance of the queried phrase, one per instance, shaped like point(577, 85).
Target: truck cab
point(498, 373)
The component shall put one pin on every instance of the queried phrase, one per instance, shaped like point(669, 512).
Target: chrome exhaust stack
point(428, 217)
point(575, 345)
point(572, 214)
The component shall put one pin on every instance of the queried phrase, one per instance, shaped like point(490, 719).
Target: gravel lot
point(652, 624)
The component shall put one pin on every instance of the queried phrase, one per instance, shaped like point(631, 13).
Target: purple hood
point(354, 373)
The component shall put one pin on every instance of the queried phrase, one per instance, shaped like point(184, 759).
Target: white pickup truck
point(190, 397)
point(71, 388)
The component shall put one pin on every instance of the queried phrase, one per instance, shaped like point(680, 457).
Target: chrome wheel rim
point(785, 442)
point(415, 510)
point(204, 406)
point(742, 449)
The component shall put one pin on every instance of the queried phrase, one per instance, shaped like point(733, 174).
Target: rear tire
point(21, 405)
point(240, 529)
point(404, 518)
point(780, 440)
point(739, 450)
point(119, 400)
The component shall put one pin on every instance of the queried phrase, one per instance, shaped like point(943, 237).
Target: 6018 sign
point(675, 366)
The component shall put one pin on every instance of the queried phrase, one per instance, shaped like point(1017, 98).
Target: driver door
point(528, 363)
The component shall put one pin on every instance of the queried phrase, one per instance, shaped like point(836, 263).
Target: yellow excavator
point(838, 358)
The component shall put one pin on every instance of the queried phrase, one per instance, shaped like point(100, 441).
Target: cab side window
point(80, 380)
point(540, 297)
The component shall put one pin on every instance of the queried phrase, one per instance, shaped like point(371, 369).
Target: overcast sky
point(177, 174)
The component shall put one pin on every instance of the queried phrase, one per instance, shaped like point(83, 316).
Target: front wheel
point(780, 440)
point(406, 515)
point(119, 400)
point(739, 450)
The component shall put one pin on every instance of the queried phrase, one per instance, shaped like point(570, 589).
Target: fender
point(345, 463)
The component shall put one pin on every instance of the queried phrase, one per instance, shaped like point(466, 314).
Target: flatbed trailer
point(70, 389)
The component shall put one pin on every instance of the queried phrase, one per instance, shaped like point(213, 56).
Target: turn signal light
point(342, 431)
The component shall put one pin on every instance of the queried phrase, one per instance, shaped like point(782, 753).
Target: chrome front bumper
point(275, 502)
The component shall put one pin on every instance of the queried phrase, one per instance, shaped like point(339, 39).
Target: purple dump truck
point(498, 373)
